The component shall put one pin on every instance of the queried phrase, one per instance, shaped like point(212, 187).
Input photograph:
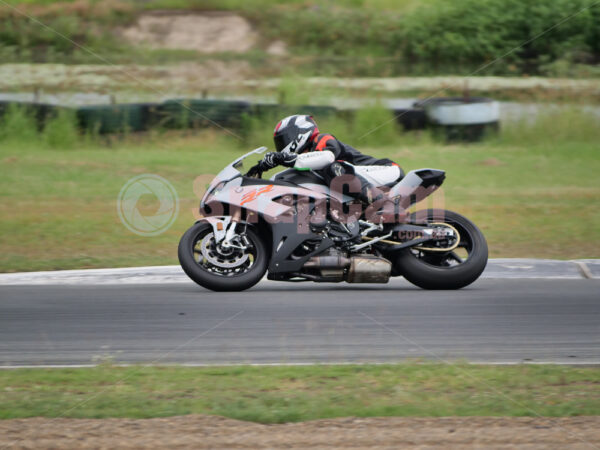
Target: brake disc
point(224, 258)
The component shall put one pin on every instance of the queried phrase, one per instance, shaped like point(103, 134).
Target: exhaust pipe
point(357, 269)
point(327, 262)
point(369, 269)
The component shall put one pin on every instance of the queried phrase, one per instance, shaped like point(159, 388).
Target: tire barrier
point(466, 119)
point(189, 113)
point(453, 118)
point(411, 119)
point(119, 118)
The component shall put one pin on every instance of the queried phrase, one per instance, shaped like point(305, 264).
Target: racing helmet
point(294, 134)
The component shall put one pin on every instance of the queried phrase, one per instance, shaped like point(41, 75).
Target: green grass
point(290, 394)
point(533, 190)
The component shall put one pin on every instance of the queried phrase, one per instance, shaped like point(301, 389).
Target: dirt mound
point(217, 432)
point(204, 32)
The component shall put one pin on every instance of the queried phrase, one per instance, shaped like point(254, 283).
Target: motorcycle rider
point(300, 145)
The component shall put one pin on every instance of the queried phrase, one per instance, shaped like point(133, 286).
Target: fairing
point(288, 203)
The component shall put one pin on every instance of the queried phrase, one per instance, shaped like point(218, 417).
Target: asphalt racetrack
point(492, 321)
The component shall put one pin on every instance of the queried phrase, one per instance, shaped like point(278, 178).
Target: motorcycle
point(294, 228)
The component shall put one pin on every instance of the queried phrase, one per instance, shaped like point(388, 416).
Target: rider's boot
point(381, 207)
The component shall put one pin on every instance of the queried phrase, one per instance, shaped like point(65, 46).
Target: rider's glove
point(255, 171)
point(289, 159)
point(274, 159)
point(271, 160)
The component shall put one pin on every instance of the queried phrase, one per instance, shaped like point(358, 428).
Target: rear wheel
point(222, 269)
point(434, 269)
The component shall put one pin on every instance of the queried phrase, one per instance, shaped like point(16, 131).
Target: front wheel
point(446, 270)
point(222, 269)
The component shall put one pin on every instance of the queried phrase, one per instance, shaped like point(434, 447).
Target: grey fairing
point(417, 185)
point(327, 191)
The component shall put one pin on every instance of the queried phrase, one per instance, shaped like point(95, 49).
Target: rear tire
point(201, 272)
point(429, 270)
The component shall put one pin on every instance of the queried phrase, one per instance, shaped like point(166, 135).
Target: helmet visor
point(280, 142)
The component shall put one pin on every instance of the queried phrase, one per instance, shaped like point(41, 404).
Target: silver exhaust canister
point(357, 269)
point(369, 269)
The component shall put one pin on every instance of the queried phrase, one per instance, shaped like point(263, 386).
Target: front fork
point(225, 231)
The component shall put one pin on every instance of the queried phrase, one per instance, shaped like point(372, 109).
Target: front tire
point(438, 270)
point(200, 259)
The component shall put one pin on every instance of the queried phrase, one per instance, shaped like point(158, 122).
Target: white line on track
point(497, 268)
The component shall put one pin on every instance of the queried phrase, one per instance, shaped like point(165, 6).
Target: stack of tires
point(411, 119)
point(466, 119)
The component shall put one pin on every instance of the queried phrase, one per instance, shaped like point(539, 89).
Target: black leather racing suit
point(345, 153)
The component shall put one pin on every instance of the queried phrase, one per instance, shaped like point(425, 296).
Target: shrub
point(480, 31)
point(18, 124)
point(61, 131)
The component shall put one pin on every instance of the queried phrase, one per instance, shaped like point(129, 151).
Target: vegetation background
point(533, 187)
point(347, 37)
